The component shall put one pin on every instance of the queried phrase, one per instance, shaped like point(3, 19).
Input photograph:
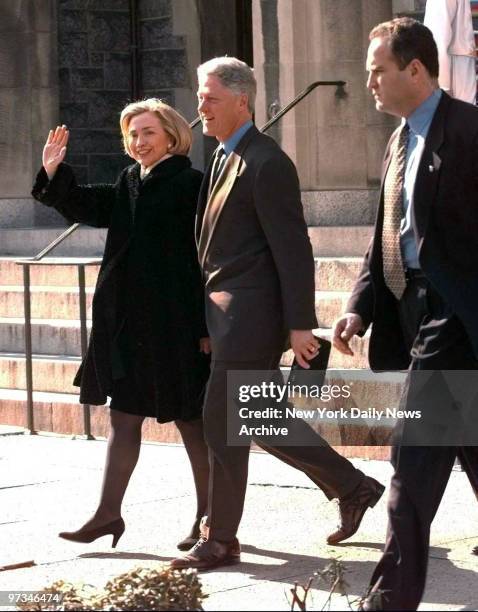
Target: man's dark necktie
point(393, 270)
point(218, 165)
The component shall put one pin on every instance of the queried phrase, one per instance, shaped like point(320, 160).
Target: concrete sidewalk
point(49, 484)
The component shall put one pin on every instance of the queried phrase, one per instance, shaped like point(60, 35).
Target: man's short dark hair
point(409, 40)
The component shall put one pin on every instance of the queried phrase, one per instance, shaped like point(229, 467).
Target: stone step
point(336, 273)
point(55, 372)
point(27, 242)
point(62, 413)
point(331, 207)
point(61, 336)
point(367, 392)
point(51, 272)
point(63, 303)
point(49, 336)
point(51, 373)
point(350, 241)
point(47, 302)
point(329, 305)
point(332, 273)
point(327, 241)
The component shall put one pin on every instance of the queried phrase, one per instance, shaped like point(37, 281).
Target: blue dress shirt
point(419, 122)
point(231, 143)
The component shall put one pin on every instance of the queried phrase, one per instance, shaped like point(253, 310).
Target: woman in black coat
point(148, 348)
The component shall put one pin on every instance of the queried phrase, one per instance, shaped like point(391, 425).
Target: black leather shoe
point(190, 540)
point(208, 554)
point(353, 507)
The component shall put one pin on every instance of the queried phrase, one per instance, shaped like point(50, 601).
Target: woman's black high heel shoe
point(115, 528)
point(192, 538)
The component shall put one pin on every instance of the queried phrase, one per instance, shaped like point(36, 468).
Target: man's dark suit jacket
point(445, 220)
point(255, 252)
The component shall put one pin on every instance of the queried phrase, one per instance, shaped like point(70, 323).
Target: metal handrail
point(80, 264)
point(340, 93)
point(37, 259)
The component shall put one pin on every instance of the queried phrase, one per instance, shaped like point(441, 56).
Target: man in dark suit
point(419, 287)
point(259, 274)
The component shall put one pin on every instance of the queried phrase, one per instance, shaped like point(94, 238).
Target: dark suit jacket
point(255, 252)
point(148, 309)
point(445, 220)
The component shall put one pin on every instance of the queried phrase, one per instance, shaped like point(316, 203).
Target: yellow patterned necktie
point(393, 270)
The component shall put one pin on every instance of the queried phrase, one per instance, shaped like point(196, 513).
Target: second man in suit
point(419, 288)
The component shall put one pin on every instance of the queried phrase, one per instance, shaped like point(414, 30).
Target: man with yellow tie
point(419, 287)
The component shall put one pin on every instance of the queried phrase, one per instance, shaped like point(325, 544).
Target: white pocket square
point(436, 163)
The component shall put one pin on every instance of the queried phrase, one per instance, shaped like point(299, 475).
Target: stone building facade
point(108, 56)
point(79, 62)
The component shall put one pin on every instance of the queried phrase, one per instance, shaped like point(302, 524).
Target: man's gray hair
point(234, 74)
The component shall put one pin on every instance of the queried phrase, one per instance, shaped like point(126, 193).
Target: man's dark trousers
point(438, 341)
point(334, 474)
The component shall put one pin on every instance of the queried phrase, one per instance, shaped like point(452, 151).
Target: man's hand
point(205, 345)
point(54, 150)
point(344, 328)
point(305, 346)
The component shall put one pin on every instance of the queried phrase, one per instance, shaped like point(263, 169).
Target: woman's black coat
point(148, 306)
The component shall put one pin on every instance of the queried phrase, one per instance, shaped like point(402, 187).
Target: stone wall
point(170, 50)
point(225, 29)
point(163, 55)
point(28, 104)
point(337, 142)
point(95, 83)
point(409, 7)
point(85, 48)
point(71, 61)
point(96, 63)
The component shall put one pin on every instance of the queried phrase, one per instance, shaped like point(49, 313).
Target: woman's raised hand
point(54, 150)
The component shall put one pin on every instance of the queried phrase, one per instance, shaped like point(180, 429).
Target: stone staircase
point(56, 328)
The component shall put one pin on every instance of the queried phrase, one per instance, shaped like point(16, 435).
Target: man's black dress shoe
point(353, 507)
point(208, 554)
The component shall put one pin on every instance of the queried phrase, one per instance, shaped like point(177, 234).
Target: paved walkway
point(49, 484)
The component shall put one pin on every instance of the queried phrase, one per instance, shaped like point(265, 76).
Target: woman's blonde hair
point(174, 124)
